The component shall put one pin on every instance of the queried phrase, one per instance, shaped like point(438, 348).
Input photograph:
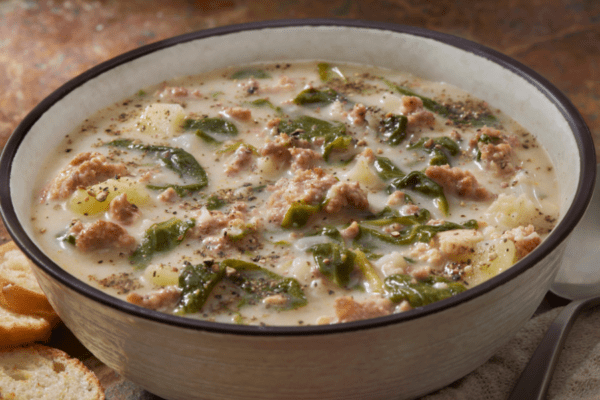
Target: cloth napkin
point(576, 377)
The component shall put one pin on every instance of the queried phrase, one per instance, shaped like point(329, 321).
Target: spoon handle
point(535, 378)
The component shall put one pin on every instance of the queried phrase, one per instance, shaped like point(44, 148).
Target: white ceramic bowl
point(398, 356)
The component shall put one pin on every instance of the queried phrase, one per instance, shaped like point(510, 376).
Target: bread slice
point(16, 329)
point(25, 314)
point(44, 373)
point(19, 290)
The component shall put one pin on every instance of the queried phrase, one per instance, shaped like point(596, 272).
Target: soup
point(294, 194)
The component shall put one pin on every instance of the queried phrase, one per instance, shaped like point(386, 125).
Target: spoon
point(577, 280)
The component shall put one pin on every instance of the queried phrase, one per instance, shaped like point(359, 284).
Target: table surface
point(44, 43)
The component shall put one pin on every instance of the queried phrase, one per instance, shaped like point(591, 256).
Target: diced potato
point(267, 166)
point(301, 269)
point(490, 259)
point(392, 263)
point(458, 243)
point(96, 199)
point(161, 118)
point(162, 275)
point(364, 174)
point(512, 212)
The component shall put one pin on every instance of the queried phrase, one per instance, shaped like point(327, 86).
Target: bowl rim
point(580, 130)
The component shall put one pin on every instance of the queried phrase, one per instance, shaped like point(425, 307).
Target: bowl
point(398, 356)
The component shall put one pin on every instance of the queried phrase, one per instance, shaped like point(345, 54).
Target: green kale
point(160, 237)
point(422, 292)
point(316, 98)
point(311, 129)
point(394, 129)
point(250, 73)
point(196, 283)
point(175, 159)
point(440, 148)
point(258, 283)
point(206, 128)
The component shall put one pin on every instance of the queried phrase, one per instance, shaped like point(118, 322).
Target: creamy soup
point(294, 194)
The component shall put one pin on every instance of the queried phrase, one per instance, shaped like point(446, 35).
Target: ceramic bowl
point(398, 356)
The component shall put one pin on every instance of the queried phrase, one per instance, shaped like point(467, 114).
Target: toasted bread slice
point(19, 289)
point(41, 372)
point(16, 329)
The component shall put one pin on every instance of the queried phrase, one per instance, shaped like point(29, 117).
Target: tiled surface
point(45, 43)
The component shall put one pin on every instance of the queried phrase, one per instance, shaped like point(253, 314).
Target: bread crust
point(19, 290)
point(17, 329)
point(55, 373)
point(24, 301)
point(25, 313)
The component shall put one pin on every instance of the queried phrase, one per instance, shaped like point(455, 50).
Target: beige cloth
point(577, 375)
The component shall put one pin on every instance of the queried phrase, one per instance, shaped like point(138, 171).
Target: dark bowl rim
point(585, 185)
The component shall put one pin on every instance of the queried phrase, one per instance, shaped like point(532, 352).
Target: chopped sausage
point(409, 209)
point(278, 149)
point(396, 198)
point(421, 118)
point(351, 231)
point(458, 181)
point(421, 272)
point(412, 107)
point(209, 222)
point(455, 135)
point(304, 158)
point(172, 92)
point(239, 113)
point(122, 211)
point(273, 123)
point(222, 231)
point(393, 229)
point(309, 186)
point(241, 159)
point(284, 84)
point(344, 194)
point(369, 155)
point(358, 113)
point(347, 309)
point(84, 170)
point(425, 252)
point(169, 195)
point(410, 104)
point(526, 239)
point(161, 299)
point(497, 155)
point(101, 235)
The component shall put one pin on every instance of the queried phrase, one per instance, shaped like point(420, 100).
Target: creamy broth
point(294, 194)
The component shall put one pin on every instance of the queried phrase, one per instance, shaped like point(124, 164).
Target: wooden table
point(44, 43)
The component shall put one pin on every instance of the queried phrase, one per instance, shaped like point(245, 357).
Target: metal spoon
point(577, 280)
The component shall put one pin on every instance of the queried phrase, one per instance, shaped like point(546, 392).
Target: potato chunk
point(97, 198)
point(161, 118)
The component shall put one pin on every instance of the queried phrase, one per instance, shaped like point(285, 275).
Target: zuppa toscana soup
point(294, 194)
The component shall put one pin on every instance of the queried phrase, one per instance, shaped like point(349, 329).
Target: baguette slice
point(44, 373)
point(16, 329)
point(19, 290)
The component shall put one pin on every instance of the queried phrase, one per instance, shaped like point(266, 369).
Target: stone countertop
point(44, 43)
